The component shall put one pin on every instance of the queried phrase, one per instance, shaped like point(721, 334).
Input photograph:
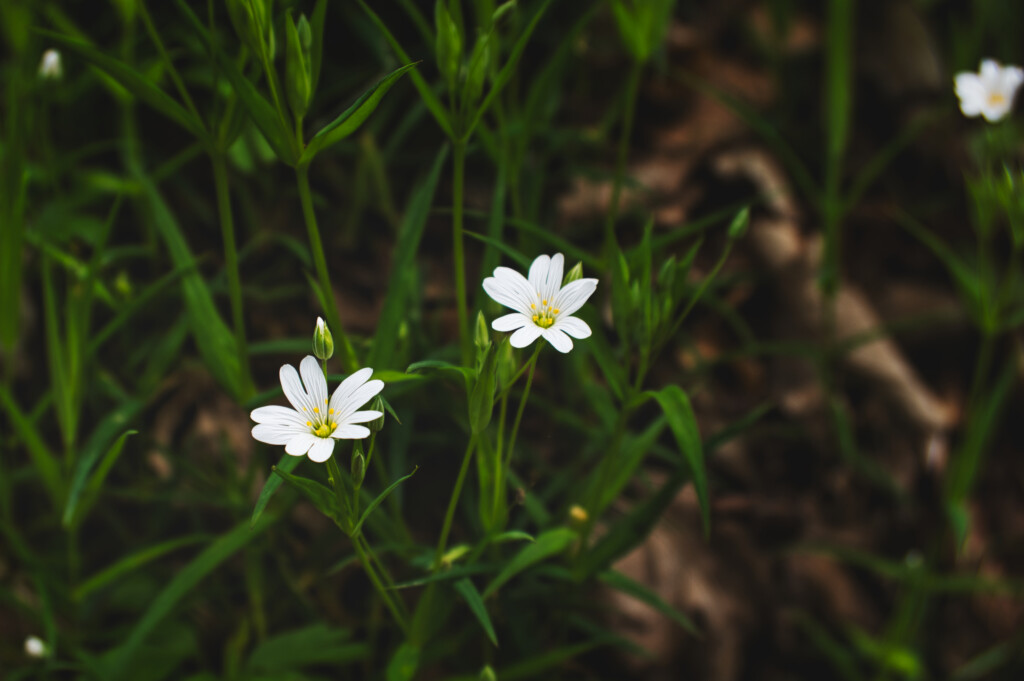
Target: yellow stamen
point(316, 410)
point(995, 99)
point(556, 310)
point(544, 302)
point(533, 306)
point(309, 423)
point(330, 411)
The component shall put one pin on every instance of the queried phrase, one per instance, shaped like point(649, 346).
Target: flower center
point(322, 424)
point(995, 99)
point(544, 312)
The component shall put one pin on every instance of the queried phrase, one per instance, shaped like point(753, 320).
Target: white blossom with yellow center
point(316, 422)
point(989, 92)
point(543, 307)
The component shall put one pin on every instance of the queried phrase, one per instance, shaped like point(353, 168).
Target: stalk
point(632, 88)
point(458, 185)
point(348, 355)
point(227, 229)
point(453, 502)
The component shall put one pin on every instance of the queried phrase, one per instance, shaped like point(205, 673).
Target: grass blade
point(621, 582)
point(548, 543)
point(351, 118)
point(43, 459)
point(133, 562)
point(409, 236)
point(315, 644)
point(380, 497)
point(472, 597)
point(287, 463)
point(676, 405)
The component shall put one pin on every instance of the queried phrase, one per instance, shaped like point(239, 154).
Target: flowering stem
point(348, 355)
point(453, 502)
point(522, 405)
point(458, 183)
point(358, 543)
point(227, 228)
point(632, 87)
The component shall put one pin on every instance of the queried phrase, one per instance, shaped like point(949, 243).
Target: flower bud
point(323, 342)
point(487, 674)
point(358, 469)
point(578, 515)
point(377, 424)
point(35, 647)
point(449, 43)
point(739, 224)
point(574, 274)
point(50, 67)
point(298, 65)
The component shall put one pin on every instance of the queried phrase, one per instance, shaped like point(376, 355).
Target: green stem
point(227, 229)
point(458, 184)
point(632, 88)
point(453, 502)
point(522, 406)
point(348, 355)
point(358, 544)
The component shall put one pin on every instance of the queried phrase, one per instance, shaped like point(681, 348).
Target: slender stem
point(632, 88)
point(227, 230)
point(453, 502)
point(522, 406)
point(458, 185)
point(168, 64)
point(348, 356)
point(358, 544)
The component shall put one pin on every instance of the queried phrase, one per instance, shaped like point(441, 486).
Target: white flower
point(50, 67)
point(990, 91)
point(543, 307)
point(34, 647)
point(315, 423)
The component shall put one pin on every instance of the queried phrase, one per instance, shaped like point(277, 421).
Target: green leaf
point(287, 463)
point(133, 81)
point(549, 543)
point(506, 71)
point(481, 398)
point(676, 405)
point(439, 365)
point(468, 591)
point(317, 24)
point(118, 661)
point(622, 583)
point(91, 453)
point(520, 259)
point(215, 341)
point(133, 562)
point(430, 99)
point(403, 262)
point(380, 497)
point(403, 664)
point(42, 458)
point(272, 123)
point(318, 494)
point(317, 644)
point(352, 117)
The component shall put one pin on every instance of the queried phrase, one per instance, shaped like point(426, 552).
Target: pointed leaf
point(287, 463)
point(548, 543)
point(318, 494)
point(676, 405)
point(352, 117)
point(380, 497)
point(622, 583)
point(476, 605)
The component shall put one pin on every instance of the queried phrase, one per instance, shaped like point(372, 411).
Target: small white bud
point(323, 341)
point(50, 67)
point(34, 647)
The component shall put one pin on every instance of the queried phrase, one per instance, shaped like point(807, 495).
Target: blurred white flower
point(543, 307)
point(315, 423)
point(34, 647)
point(50, 67)
point(989, 92)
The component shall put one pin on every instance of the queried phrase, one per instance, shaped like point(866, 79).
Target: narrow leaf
point(42, 458)
point(352, 117)
point(380, 497)
point(133, 562)
point(676, 405)
point(548, 543)
point(318, 494)
point(287, 463)
point(622, 583)
point(476, 605)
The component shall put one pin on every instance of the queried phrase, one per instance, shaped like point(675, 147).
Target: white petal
point(539, 273)
point(321, 449)
point(995, 112)
point(278, 415)
point(559, 340)
point(525, 336)
point(574, 326)
point(300, 443)
point(316, 384)
point(990, 69)
point(293, 389)
point(347, 387)
point(274, 434)
point(511, 322)
point(511, 289)
point(347, 431)
point(363, 416)
point(353, 401)
point(1012, 78)
point(554, 278)
point(572, 297)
